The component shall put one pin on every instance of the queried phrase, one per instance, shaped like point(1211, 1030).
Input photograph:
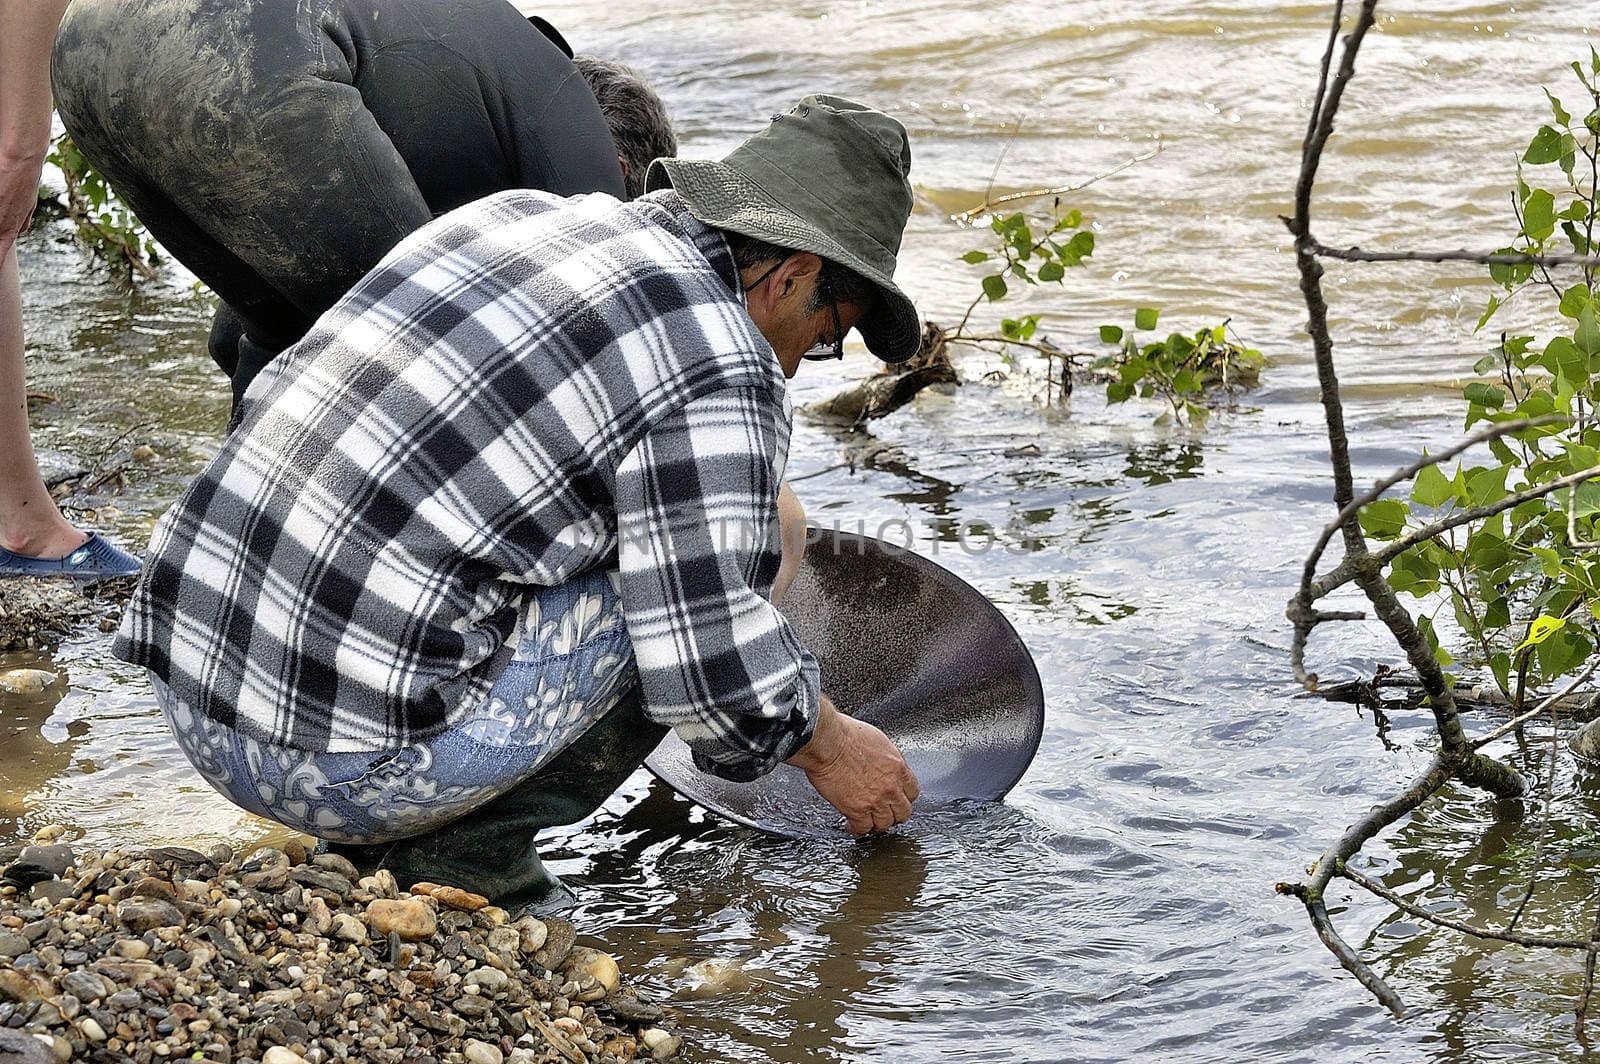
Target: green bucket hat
point(829, 177)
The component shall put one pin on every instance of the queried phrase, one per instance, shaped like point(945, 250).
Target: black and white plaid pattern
point(525, 389)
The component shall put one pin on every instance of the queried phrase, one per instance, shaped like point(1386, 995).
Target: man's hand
point(859, 770)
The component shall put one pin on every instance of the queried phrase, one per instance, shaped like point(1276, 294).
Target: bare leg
point(792, 520)
point(30, 523)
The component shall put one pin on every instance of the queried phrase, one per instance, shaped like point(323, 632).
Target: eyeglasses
point(824, 351)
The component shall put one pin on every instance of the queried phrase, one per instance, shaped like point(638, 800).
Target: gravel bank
point(276, 958)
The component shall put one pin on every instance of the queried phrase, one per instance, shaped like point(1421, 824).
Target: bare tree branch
point(1484, 258)
point(1396, 547)
point(1494, 432)
point(1518, 937)
point(966, 217)
point(1582, 1009)
point(1550, 703)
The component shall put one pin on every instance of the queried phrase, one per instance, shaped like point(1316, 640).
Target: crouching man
point(512, 508)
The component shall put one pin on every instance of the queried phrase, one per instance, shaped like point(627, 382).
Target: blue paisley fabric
point(573, 663)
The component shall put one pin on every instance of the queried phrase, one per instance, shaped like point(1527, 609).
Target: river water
point(1120, 904)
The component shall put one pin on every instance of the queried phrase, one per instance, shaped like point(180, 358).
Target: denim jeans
point(572, 664)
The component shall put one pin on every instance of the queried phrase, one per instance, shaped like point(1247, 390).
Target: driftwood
point(888, 391)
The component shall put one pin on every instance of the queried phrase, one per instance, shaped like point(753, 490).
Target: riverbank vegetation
point(1500, 545)
point(103, 222)
point(1189, 373)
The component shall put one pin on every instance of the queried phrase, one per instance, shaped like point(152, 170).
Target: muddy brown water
point(1120, 904)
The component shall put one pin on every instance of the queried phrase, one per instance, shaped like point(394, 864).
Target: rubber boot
point(490, 851)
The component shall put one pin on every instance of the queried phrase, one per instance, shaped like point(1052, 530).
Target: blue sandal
point(97, 559)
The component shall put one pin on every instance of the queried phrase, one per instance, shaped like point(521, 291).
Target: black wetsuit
point(278, 148)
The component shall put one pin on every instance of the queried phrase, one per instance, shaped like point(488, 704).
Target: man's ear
point(798, 269)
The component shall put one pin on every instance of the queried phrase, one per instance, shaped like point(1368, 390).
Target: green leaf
point(1414, 573)
point(1539, 216)
point(1118, 392)
point(1587, 501)
point(1486, 395)
point(1431, 488)
point(1563, 652)
point(1485, 486)
point(1580, 243)
point(1497, 614)
point(1587, 335)
point(1488, 312)
point(1562, 118)
point(1509, 274)
point(1081, 246)
point(1500, 665)
point(1019, 328)
point(1385, 518)
point(1542, 628)
point(1425, 626)
point(1488, 362)
point(994, 286)
point(972, 258)
point(1145, 317)
point(1546, 146)
point(1562, 358)
point(1051, 271)
point(1573, 300)
point(1549, 561)
point(1111, 334)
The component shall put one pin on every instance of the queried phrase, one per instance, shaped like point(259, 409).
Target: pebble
point(491, 979)
point(85, 986)
point(347, 928)
point(321, 879)
point(451, 897)
point(560, 936)
point(663, 1045)
point(26, 681)
point(12, 945)
point(146, 914)
point(338, 863)
point(56, 859)
point(596, 965)
point(280, 1055)
point(91, 1029)
point(410, 918)
point(533, 932)
point(478, 1052)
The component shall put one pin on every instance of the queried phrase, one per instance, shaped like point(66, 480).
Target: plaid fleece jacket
point(525, 389)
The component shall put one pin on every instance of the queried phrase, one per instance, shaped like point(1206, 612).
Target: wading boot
point(490, 851)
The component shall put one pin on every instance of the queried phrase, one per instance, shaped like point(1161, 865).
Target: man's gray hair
point(637, 117)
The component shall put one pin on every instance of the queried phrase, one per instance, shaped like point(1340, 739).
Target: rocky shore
point(277, 957)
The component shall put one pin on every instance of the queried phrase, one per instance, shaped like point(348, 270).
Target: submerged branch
point(1517, 937)
point(1550, 704)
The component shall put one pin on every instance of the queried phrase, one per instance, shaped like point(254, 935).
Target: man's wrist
point(823, 749)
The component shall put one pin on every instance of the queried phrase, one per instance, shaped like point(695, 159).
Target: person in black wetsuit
point(279, 148)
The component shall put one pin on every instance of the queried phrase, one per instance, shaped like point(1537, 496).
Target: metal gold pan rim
point(984, 652)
